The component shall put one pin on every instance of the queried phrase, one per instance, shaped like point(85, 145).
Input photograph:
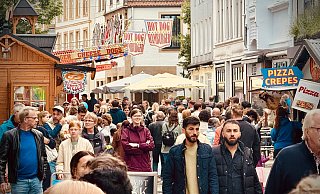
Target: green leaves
point(185, 40)
point(307, 24)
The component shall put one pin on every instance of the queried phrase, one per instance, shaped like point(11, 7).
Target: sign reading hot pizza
point(286, 76)
point(74, 81)
point(159, 32)
point(307, 96)
point(135, 42)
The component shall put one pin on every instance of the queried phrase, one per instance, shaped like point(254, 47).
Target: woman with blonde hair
point(69, 147)
point(74, 101)
point(43, 117)
point(71, 187)
point(91, 133)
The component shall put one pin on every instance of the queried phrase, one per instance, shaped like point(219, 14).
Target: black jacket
point(291, 165)
point(250, 179)
point(9, 153)
point(250, 138)
point(155, 130)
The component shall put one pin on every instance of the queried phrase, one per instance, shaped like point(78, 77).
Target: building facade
point(103, 22)
point(223, 73)
point(247, 35)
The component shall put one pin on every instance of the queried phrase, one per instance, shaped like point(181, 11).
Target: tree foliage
point(185, 40)
point(47, 10)
point(307, 25)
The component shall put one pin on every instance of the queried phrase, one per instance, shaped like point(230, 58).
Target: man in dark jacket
point(249, 135)
point(118, 116)
point(236, 171)
point(13, 121)
point(155, 130)
point(23, 149)
point(92, 102)
point(190, 167)
point(297, 161)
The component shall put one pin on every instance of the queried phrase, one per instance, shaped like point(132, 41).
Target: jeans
point(27, 186)
point(52, 166)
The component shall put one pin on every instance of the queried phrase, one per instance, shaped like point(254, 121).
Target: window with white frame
point(220, 80)
point(237, 81)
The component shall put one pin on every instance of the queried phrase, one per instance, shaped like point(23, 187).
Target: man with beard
point(236, 171)
point(190, 167)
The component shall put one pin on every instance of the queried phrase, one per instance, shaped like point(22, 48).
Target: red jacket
point(137, 158)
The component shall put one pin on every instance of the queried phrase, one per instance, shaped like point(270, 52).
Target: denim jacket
point(174, 174)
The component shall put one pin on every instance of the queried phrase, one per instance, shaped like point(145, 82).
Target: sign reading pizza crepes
point(307, 96)
point(135, 42)
point(159, 32)
point(74, 81)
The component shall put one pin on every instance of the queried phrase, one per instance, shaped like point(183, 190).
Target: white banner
point(307, 96)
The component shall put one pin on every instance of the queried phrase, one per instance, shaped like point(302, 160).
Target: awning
point(252, 59)
point(287, 88)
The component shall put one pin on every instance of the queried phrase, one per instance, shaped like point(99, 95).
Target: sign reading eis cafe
point(286, 76)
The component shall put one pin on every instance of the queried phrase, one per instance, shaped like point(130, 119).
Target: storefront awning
point(284, 88)
point(252, 59)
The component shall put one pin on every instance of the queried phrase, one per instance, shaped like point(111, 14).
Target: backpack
point(168, 137)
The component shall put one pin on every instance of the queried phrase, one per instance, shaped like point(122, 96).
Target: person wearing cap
point(54, 126)
point(66, 108)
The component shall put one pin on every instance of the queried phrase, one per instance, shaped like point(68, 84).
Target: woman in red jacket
point(137, 142)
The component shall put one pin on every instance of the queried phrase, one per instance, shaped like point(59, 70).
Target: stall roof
point(24, 8)
point(31, 44)
point(310, 47)
point(43, 41)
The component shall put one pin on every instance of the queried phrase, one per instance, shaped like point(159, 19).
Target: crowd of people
point(203, 147)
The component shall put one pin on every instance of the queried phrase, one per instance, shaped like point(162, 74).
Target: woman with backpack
point(170, 131)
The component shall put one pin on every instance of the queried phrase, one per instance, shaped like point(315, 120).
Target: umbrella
point(118, 85)
point(165, 82)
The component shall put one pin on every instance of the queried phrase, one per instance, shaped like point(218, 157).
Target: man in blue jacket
point(13, 121)
point(190, 167)
point(118, 116)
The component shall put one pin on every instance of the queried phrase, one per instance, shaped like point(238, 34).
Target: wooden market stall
point(27, 74)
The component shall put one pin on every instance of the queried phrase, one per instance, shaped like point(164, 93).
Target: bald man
point(215, 112)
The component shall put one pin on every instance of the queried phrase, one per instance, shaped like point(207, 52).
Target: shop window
point(220, 80)
point(34, 96)
point(176, 30)
point(238, 84)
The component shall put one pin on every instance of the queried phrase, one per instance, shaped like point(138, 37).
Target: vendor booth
point(27, 73)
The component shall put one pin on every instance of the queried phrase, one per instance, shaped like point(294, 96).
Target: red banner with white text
point(159, 32)
point(135, 42)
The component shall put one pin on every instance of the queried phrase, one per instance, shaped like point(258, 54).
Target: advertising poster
point(159, 32)
point(286, 76)
point(135, 42)
point(143, 182)
point(307, 96)
point(74, 81)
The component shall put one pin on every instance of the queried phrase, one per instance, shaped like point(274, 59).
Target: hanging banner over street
point(106, 66)
point(135, 42)
point(307, 96)
point(286, 76)
point(159, 32)
point(74, 81)
point(89, 54)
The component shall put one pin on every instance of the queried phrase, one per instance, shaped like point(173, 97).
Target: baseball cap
point(59, 108)
point(66, 102)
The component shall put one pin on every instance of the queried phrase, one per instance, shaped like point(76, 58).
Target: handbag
point(52, 154)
